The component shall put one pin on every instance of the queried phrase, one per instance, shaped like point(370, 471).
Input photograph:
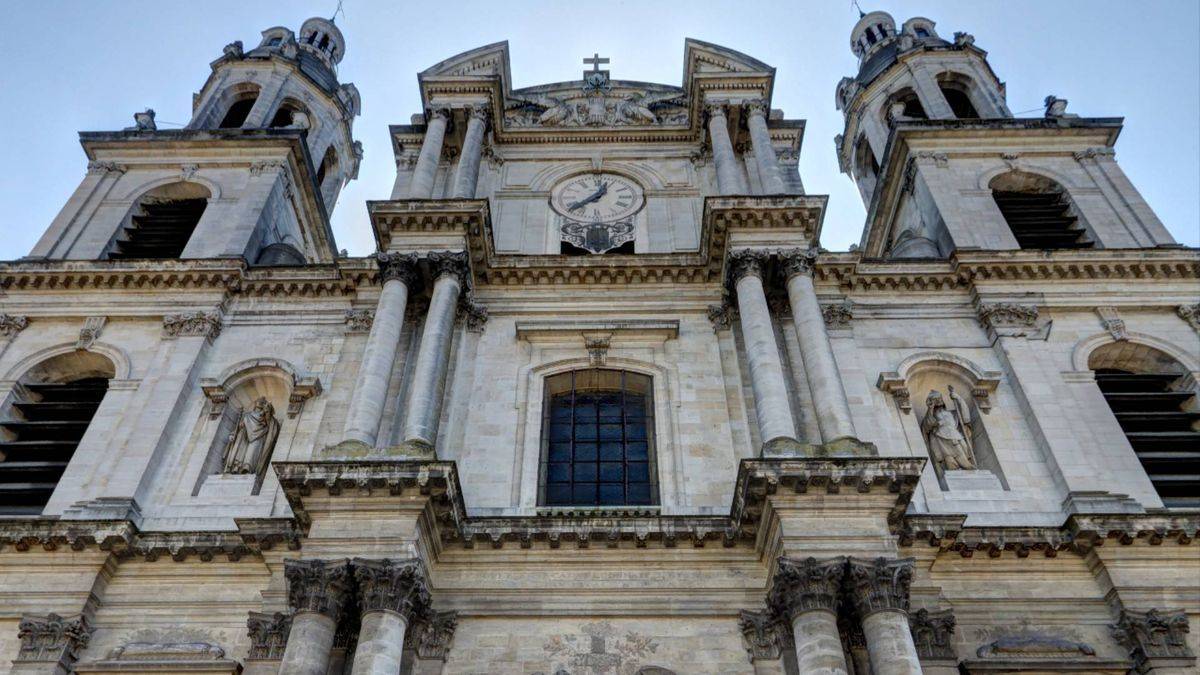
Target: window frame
point(643, 386)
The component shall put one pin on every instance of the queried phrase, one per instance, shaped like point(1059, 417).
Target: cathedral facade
point(600, 402)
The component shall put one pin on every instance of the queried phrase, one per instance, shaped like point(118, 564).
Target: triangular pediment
point(701, 57)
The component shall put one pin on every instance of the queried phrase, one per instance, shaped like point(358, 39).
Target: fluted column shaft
point(467, 174)
point(880, 590)
point(433, 356)
point(806, 593)
point(764, 154)
point(390, 594)
point(398, 272)
point(729, 177)
point(425, 172)
point(820, 366)
point(317, 593)
point(771, 405)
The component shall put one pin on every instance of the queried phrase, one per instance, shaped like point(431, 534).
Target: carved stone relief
point(248, 449)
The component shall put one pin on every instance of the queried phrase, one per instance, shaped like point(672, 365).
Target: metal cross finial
point(595, 62)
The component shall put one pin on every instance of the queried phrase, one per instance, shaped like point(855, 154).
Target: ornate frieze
point(192, 324)
point(321, 586)
point(431, 635)
point(393, 585)
point(11, 324)
point(268, 635)
point(52, 639)
point(1153, 634)
point(764, 634)
point(797, 261)
point(400, 266)
point(359, 320)
point(92, 327)
point(880, 584)
point(933, 633)
point(1009, 319)
point(805, 585)
point(746, 262)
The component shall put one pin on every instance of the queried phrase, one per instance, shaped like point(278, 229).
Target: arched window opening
point(912, 108)
point(598, 440)
point(291, 113)
point(324, 44)
point(162, 222)
point(1155, 403)
point(41, 426)
point(921, 32)
point(236, 116)
point(871, 36)
point(328, 166)
point(1038, 211)
point(960, 103)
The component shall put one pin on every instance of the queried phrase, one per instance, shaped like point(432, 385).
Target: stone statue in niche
point(947, 430)
point(249, 446)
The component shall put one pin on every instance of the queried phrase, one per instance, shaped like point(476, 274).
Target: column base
point(843, 447)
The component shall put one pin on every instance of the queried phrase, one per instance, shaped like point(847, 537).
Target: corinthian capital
point(756, 106)
point(478, 112)
point(449, 262)
point(716, 108)
point(798, 261)
point(805, 585)
point(10, 325)
point(393, 585)
point(746, 262)
point(320, 586)
point(1154, 634)
point(192, 324)
point(400, 266)
point(52, 639)
point(880, 584)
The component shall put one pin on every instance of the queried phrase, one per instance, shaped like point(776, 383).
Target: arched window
point(1154, 401)
point(328, 166)
point(598, 440)
point(1038, 211)
point(290, 113)
point(161, 223)
point(912, 105)
point(242, 97)
point(866, 168)
point(42, 423)
point(956, 89)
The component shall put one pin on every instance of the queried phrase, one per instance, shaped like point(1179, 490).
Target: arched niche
point(251, 407)
point(42, 421)
point(237, 103)
point(945, 396)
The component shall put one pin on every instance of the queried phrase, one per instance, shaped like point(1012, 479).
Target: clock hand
point(589, 199)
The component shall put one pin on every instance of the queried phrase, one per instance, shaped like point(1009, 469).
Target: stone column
point(391, 594)
point(433, 356)
point(771, 404)
point(399, 273)
point(467, 174)
point(729, 177)
point(879, 589)
point(829, 396)
point(421, 186)
point(317, 593)
point(805, 593)
point(768, 164)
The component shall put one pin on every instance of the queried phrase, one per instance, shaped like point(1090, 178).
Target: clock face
point(597, 198)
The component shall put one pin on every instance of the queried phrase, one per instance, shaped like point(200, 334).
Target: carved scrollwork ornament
point(359, 320)
point(431, 636)
point(192, 324)
point(320, 586)
point(11, 324)
point(475, 315)
point(715, 109)
point(798, 261)
point(838, 316)
point(746, 262)
point(392, 585)
point(805, 585)
point(880, 584)
point(756, 106)
point(52, 638)
point(1190, 314)
point(438, 113)
point(398, 266)
point(1153, 634)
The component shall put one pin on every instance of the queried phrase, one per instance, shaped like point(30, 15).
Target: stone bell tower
point(942, 164)
point(254, 174)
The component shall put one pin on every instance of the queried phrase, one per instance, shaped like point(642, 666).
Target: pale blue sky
point(89, 65)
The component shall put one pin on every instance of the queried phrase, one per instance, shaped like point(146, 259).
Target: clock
point(597, 198)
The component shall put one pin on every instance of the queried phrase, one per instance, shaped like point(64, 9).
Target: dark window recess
point(39, 438)
point(1162, 431)
point(161, 230)
point(922, 33)
point(960, 103)
point(283, 118)
point(1041, 220)
point(237, 114)
point(598, 440)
